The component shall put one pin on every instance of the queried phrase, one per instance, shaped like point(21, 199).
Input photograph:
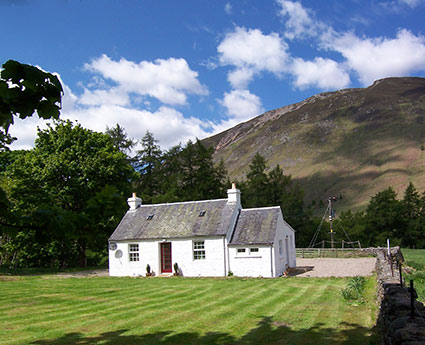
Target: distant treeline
point(61, 200)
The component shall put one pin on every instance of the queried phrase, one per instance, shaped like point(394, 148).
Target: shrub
point(355, 289)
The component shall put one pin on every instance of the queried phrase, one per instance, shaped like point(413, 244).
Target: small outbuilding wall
point(251, 261)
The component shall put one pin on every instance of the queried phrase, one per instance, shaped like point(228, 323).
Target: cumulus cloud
point(242, 104)
point(368, 58)
point(374, 58)
point(251, 52)
point(322, 73)
point(168, 125)
point(228, 8)
point(114, 96)
point(168, 80)
point(299, 22)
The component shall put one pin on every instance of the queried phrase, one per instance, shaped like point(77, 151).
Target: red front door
point(166, 263)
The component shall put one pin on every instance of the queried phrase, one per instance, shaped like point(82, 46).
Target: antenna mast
point(331, 215)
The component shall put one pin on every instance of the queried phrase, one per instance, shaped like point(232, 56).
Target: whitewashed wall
point(181, 252)
point(251, 264)
point(287, 258)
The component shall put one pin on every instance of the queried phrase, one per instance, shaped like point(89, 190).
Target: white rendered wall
point(181, 252)
point(251, 264)
point(287, 258)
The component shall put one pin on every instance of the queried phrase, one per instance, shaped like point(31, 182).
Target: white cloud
point(322, 73)
point(240, 77)
point(167, 80)
point(251, 52)
point(228, 9)
point(168, 125)
point(241, 104)
point(299, 23)
point(412, 3)
point(113, 96)
point(396, 6)
point(374, 58)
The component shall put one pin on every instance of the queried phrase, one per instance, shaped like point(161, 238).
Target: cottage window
point(241, 250)
point(280, 247)
point(198, 250)
point(253, 250)
point(133, 251)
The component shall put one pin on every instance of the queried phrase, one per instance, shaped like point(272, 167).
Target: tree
point(411, 209)
point(25, 89)
point(256, 193)
point(120, 139)
point(67, 167)
point(383, 218)
point(148, 164)
point(200, 179)
point(179, 174)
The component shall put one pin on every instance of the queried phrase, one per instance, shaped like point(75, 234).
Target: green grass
point(50, 310)
point(415, 260)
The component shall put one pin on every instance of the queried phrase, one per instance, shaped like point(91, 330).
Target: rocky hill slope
point(353, 142)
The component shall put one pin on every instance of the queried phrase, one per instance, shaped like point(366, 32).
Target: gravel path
point(330, 267)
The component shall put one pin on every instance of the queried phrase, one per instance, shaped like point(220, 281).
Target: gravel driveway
point(330, 267)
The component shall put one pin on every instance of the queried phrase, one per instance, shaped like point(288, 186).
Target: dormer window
point(150, 216)
point(202, 213)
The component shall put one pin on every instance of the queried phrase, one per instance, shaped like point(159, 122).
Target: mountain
point(351, 143)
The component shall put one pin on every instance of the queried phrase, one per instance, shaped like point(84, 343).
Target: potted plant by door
point(176, 269)
point(148, 271)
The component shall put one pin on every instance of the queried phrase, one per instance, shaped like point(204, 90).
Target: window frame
point(133, 252)
point(254, 250)
point(198, 248)
point(280, 247)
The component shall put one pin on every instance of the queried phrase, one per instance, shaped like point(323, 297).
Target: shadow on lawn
point(266, 332)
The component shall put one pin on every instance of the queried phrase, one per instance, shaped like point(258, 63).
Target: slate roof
point(176, 220)
point(256, 226)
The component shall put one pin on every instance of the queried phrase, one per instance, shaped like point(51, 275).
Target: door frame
point(162, 257)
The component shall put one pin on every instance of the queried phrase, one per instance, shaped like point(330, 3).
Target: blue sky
point(191, 68)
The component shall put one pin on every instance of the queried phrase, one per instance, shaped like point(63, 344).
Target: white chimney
point(234, 195)
point(134, 202)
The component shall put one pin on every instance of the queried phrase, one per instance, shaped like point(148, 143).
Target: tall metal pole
point(330, 222)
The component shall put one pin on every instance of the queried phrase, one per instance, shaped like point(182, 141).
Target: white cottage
point(207, 238)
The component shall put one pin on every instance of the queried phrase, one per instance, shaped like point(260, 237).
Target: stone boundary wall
point(397, 325)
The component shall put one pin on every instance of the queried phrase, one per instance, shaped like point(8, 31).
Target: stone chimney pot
point(134, 202)
point(234, 196)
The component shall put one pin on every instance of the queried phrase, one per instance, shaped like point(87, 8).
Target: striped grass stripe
point(53, 310)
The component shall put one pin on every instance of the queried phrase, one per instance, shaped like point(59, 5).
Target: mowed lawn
point(49, 309)
point(415, 260)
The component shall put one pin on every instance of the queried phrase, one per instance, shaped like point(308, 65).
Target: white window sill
point(248, 257)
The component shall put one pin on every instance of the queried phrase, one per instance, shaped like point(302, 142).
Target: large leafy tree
point(24, 90)
point(58, 180)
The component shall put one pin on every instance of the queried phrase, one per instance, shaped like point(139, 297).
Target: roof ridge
point(261, 208)
point(183, 202)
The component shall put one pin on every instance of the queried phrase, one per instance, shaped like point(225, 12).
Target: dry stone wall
point(395, 317)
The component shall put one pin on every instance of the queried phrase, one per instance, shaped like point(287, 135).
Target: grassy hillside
point(52, 310)
point(353, 142)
